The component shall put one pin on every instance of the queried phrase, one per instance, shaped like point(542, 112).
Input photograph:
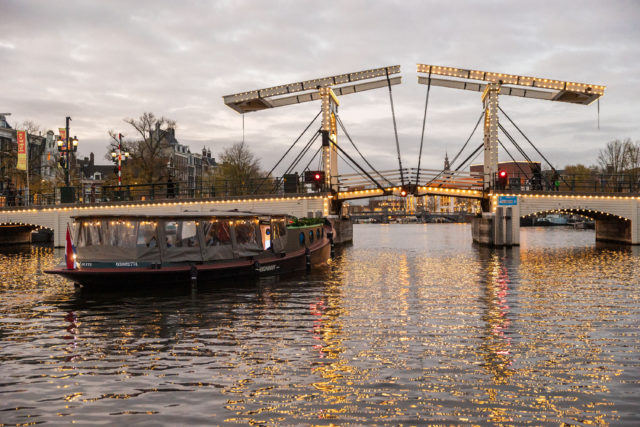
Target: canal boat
point(201, 248)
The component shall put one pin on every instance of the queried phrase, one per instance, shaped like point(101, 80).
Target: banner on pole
point(22, 150)
point(63, 134)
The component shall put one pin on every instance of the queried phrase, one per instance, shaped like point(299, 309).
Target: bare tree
point(612, 159)
point(149, 149)
point(632, 160)
point(239, 169)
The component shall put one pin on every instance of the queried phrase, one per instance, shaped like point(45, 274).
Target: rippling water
point(410, 325)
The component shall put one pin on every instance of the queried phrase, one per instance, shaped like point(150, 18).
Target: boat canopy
point(178, 238)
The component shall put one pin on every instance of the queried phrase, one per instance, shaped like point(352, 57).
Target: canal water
point(412, 324)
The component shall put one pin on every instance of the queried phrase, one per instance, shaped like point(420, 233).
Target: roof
point(212, 214)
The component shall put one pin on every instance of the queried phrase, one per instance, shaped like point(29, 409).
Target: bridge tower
point(491, 85)
point(325, 89)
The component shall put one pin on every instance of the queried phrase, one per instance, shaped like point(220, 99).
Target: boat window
point(318, 233)
point(265, 231)
point(147, 235)
point(181, 234)
point(216, 233)
point(311, 236)
point(301, 238)
point(245, 232)
point(89, 234)
point(282, 228)
point(120, 234)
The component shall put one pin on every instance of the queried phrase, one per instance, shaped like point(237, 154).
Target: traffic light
point(313, 177)
point(503, 178)
point(404, 192)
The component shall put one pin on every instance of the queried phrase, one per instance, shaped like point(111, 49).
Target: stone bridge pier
point(617, 218)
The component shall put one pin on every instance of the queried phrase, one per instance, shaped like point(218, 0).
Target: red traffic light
point(502, 174)
point(315, 177)
point(403, 192)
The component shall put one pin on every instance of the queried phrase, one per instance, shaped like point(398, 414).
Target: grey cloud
point(103, 61)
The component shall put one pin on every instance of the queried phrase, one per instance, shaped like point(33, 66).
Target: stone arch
point(588, 213)
point(610, 227)
point(14, 232)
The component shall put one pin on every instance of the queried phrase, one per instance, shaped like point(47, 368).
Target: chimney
point(91, 159)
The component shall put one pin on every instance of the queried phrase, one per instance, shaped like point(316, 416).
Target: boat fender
point(333, 252)
point(194, 274)
point(307, 254)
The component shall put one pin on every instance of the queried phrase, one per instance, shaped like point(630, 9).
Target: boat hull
point(197, 273)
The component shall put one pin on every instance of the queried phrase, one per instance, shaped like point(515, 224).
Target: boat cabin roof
point(184, 215)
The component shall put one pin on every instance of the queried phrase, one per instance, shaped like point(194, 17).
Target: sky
point(103, 61)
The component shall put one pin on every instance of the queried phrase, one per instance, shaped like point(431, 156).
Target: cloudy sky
point(102, 61)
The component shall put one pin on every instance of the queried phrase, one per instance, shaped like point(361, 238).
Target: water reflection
point(496, 346)
point(411, 325)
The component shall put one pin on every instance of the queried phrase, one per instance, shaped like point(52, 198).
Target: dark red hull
point(205, 273)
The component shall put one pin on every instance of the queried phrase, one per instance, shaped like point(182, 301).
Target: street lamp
point(66, 146)
point(117, 158)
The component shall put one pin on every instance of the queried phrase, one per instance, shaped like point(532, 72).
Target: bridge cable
point(514, 160)
point(463, 164)
point(286, 152)
point(395, 127)
point(298, 157)
point(474, 154)
point(469, 139)
point(314, 156)
point(534, 147)
point(302, 153)
point(459, 151)
point(352, 168)
point(360, 167)
point(515, 144)
point(424, 122)
point(354, 146)
point(532, 164)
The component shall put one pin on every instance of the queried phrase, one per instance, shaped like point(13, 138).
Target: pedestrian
point(170, 189)
point(555, 181)
point(20, 198)
point(11, 193)
point(92, 195)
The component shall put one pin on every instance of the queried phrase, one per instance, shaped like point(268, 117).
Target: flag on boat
point(70, 252)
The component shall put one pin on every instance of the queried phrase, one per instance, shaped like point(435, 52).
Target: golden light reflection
point(411, 325)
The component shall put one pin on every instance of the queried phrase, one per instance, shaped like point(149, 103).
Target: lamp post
point(65, 147)
point(117, 159)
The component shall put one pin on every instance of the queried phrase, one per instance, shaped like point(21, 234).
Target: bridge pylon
point(491, 85)
point(327, 90)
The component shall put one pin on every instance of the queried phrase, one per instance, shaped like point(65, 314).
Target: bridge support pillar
point(15, 234)
point(498, 228)
point(614, 230)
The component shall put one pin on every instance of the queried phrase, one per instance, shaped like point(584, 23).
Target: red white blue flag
point(70, 252)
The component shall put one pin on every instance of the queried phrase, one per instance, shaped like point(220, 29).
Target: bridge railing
point(427, 177)
point(97, 193)
point(569, 182)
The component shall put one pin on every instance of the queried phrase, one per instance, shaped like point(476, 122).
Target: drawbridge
point(367, 181)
